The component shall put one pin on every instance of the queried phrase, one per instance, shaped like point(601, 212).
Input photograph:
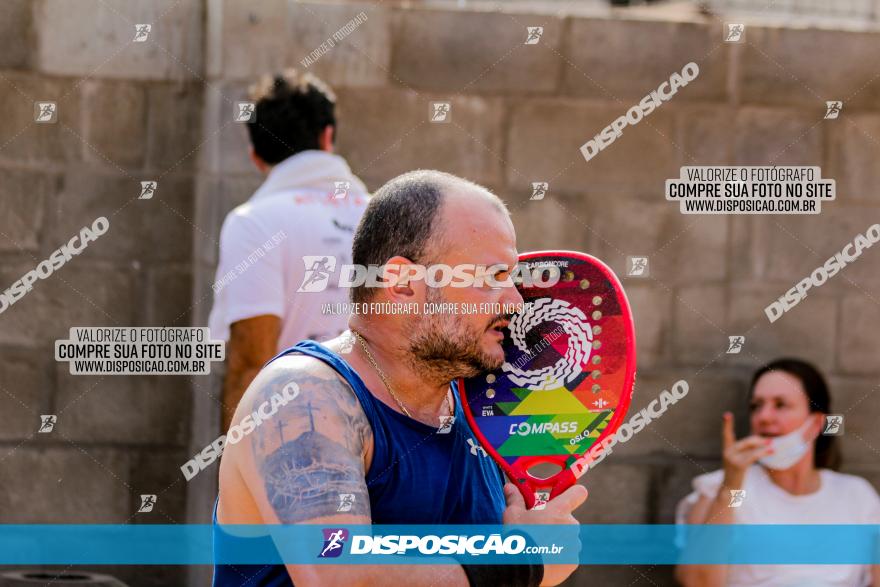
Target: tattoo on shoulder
point(310, 455)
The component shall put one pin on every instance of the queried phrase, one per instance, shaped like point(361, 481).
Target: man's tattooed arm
point(309, 461)
point(310, 455)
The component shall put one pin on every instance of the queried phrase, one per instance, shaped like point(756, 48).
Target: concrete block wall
point(163, 109)
point(127, 112)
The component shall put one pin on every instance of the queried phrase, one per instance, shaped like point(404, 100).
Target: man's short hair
point(402, 219)
point(292, 109)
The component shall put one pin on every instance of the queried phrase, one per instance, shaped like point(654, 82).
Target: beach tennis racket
point(567, 379)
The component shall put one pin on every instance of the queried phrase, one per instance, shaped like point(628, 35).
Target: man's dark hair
point(401, 219)
point(292, 109)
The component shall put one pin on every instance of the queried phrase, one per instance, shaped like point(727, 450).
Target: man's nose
point(511, 296)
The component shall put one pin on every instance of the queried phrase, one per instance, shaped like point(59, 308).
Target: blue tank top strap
point(315, 350)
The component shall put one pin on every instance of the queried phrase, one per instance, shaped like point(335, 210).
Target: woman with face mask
point(781, 474)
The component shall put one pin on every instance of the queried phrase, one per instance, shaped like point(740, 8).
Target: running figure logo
point(318, 270)
point(347, 343)
point(832, 109)
point(735, 344)
point(534, 35)
point(637, 266)
point(47, 423)
point(141, 32)
point(148, 188)
point(244, 112)
point(333, 542)
point(45, 112)
point(446, 423)
point(833, 425)
point(346, 502)
point(541, 499)
point(342, 188)
point(736, 498)
point(441, 112)
point(734, 33)
point(539, 190)
point(147, 503)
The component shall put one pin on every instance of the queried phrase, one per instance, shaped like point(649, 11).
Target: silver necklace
point(385, 379)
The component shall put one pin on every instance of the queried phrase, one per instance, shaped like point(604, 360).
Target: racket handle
point(532, 488)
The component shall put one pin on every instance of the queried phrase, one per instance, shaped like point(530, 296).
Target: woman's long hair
point(827, 454)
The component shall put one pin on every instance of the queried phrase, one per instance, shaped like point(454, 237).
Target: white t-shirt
point(841, 499)
point(309, 206)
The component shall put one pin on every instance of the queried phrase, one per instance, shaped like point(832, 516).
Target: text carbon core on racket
point(567, 380)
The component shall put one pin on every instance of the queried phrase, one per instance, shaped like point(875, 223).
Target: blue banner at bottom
point(319, 544)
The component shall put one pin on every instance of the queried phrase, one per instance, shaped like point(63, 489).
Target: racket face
point(567, 379)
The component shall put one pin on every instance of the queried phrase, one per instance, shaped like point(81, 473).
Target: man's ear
point(325, 139)
point(258, 162)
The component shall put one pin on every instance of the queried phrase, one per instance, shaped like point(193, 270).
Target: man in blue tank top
point(374, 432)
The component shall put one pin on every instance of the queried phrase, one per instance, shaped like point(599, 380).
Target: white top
point(296, 213)
point(841, 499)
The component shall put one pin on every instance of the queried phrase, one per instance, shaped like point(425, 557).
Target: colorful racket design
point(567, 379)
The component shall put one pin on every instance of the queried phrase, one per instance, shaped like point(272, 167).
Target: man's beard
point(443, 347)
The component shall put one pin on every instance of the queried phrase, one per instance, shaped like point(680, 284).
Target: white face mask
point(788, 449)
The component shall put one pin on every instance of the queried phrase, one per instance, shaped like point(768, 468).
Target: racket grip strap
point(523, 575)
point(512, 575)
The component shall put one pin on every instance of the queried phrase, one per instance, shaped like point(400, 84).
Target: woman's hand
point(739, 455)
